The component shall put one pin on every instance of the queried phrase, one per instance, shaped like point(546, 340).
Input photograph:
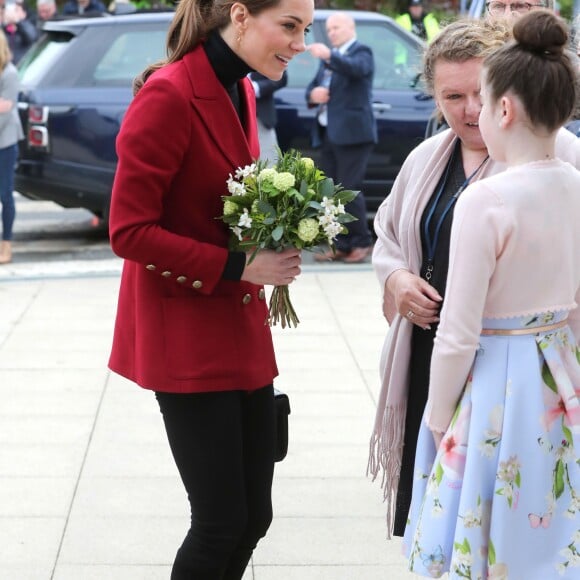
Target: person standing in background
point(19, 29)
point(344, 126)
point(10, 134)
point(82, 7)
point(266, 113)
point(45, 10)
point(418, 21)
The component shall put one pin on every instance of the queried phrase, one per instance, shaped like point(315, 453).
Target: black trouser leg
point(223, 445)
point(347, 164)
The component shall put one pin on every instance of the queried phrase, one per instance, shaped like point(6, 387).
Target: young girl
point(497, 484)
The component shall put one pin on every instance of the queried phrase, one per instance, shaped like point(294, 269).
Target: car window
point(129, 55)
point(301, 70)
point(397, 60)
point(41, 57)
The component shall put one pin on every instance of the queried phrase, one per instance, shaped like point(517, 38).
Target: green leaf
point(296, 194)
point(464, 547)
point(439, 473)
point(518, 479)
point(346, 218)
point(345, 195)
point(567, 434)
point(327, 188)
point(559, 479)
point(548, 378)
point(578, 354)
point(278, 233)
point(265, 208)
point(491, 557)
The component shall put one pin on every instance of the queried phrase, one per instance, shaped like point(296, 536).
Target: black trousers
point(223, 445)
point(347, 165)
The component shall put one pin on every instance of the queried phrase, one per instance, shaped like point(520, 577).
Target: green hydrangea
point(307, 162)
point(308, 229)
point(230, 208)
point(267, 175)
point(284, 181)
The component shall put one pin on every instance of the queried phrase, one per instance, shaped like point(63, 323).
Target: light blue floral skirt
point(501, 497)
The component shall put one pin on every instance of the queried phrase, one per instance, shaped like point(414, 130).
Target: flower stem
point(281, 309)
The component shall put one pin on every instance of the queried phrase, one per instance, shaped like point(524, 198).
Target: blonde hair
point(5, 53)
point(193, 21)
point(463, 40)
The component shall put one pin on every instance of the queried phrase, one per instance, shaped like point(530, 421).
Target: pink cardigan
point(398, 246)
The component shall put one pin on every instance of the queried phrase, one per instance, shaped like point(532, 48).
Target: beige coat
point(398, 246)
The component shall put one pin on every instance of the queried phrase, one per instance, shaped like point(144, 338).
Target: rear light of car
point(38, 136)
point(37, 133)
point(37, 114)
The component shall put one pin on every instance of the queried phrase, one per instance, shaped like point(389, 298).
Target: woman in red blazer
point(191, 314)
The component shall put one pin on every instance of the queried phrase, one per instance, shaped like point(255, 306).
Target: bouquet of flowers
point(292, 204)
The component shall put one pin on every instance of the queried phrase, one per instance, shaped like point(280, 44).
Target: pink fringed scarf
point(386, 445)
point(398, 247)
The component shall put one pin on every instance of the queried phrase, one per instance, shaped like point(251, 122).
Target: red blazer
point(180, 327)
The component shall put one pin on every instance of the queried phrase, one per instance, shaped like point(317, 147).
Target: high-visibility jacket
point(429, 21)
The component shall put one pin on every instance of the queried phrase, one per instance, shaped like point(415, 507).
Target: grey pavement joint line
point(13, 326)
point(81, 469)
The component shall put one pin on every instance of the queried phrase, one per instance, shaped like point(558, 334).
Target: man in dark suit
point(266, 112)
point(345, 126)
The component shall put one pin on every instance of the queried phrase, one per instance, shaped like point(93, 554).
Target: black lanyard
point(432, 243)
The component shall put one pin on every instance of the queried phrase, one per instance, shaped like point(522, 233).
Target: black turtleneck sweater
point(229, 69)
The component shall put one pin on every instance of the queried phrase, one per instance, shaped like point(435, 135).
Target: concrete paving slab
point(29, 546)
point(41, 380)
point(41, 459)
point(108, 458)
point(116, 572)
point(40, 402)
point(59, 358)
point(37, 430)
point(130, 497)
point(323, 460)
point(331, 573)
point(129, 572)
point(325, 497)
point(333, 541)
point(122, 540)
point(35, 497)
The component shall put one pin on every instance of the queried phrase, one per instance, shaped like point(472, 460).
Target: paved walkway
point(88, 490)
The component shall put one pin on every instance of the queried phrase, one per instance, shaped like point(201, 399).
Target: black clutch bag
point(282, 410)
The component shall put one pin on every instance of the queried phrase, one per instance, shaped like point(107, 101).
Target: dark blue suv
point(76, 86)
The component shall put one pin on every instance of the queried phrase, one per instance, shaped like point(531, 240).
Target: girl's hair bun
point(542, 33)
